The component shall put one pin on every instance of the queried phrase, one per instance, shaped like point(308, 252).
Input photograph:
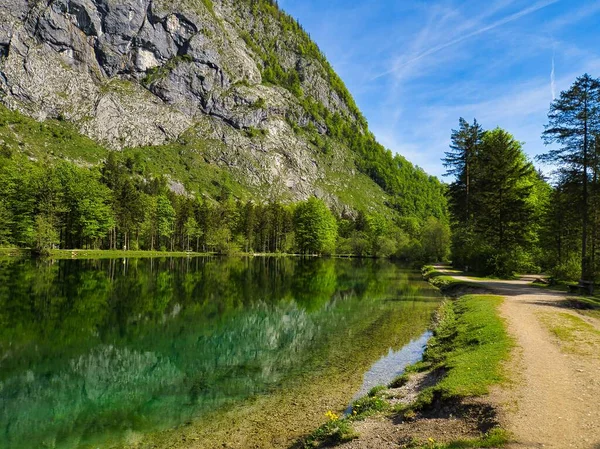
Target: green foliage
point(45, 235)
point(399, 381)
point(368, 405)
point(316, 228)
point(495, 438)
point(209, 5)
point(334, 431)
point(414, 193)
point(470, 343)
point(435, 238)
point(259, 104)
point(254, 132)
point(6, 223)
point(574, 124)
point(165, 217)
point(568, 270)
point(161, 72)
point(493, 201)
point(375, 391)
point(45, 200)
point(119, 205)
point(20, 134)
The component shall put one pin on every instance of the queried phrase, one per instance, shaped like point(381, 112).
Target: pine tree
point(561, 232)
point(573, 122)
point(460, 163)
point(502, 207)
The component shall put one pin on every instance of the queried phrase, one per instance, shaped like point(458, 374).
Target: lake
point(197, 352)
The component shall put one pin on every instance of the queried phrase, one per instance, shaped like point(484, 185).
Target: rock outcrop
point(132, 73)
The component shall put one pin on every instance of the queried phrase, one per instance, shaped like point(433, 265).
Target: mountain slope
point(208, 92)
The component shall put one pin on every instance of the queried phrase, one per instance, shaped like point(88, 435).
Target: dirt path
point(555, 399)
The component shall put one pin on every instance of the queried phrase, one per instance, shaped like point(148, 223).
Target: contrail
point(508, 19)
point(553, 80)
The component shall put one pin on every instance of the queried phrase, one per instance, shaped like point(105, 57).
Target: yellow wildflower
point(332, 416)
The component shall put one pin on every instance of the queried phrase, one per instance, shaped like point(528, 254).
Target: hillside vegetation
point(207, 103)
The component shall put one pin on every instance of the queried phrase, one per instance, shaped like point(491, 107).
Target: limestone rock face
point(143, 72)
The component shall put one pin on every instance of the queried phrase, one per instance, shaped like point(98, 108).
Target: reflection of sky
point(393, 364)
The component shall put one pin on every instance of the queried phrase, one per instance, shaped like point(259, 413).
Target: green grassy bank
point(468, 348)
point(96, 253)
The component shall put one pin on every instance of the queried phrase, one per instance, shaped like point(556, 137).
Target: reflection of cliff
point(248, 353)
point(140, 347)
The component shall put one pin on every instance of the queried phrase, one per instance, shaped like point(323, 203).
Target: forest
point(117, 205)
point(507, 217)
point(60, 189)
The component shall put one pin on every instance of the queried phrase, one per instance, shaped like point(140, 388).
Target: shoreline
point(63, 254)
point(439, 402)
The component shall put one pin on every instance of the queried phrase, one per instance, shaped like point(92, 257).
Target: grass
point(575, 334)
point(585, 305)
point(494, 438)
point(339, 429)
point(470, 344)
point(334, 431)
point(444, 280)
point(558, 286)
point(400, 381)
point(369, 405)
point(161, 72)
point(54, 138)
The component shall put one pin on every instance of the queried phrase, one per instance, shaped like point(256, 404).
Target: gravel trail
point(554, 401)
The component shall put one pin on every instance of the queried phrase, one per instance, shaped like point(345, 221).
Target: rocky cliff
point(236, 82)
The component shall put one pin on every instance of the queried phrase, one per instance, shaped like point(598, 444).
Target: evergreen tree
point(560, 235)
point(573, 123)
point(460, 162)
point(129, 205)
point(502, 201)
point(247, 225)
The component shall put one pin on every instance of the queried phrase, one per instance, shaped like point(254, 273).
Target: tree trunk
point(594, 210)
point(585, 272)
point(468, 184)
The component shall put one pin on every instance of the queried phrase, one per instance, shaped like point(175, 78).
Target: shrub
point(569, 270)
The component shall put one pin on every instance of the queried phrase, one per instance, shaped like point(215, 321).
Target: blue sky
point(415, 67)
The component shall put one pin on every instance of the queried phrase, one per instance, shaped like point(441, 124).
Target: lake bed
point(195, 352)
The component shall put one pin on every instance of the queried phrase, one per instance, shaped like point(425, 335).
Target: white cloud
point(403, 61)
point(574, 16)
